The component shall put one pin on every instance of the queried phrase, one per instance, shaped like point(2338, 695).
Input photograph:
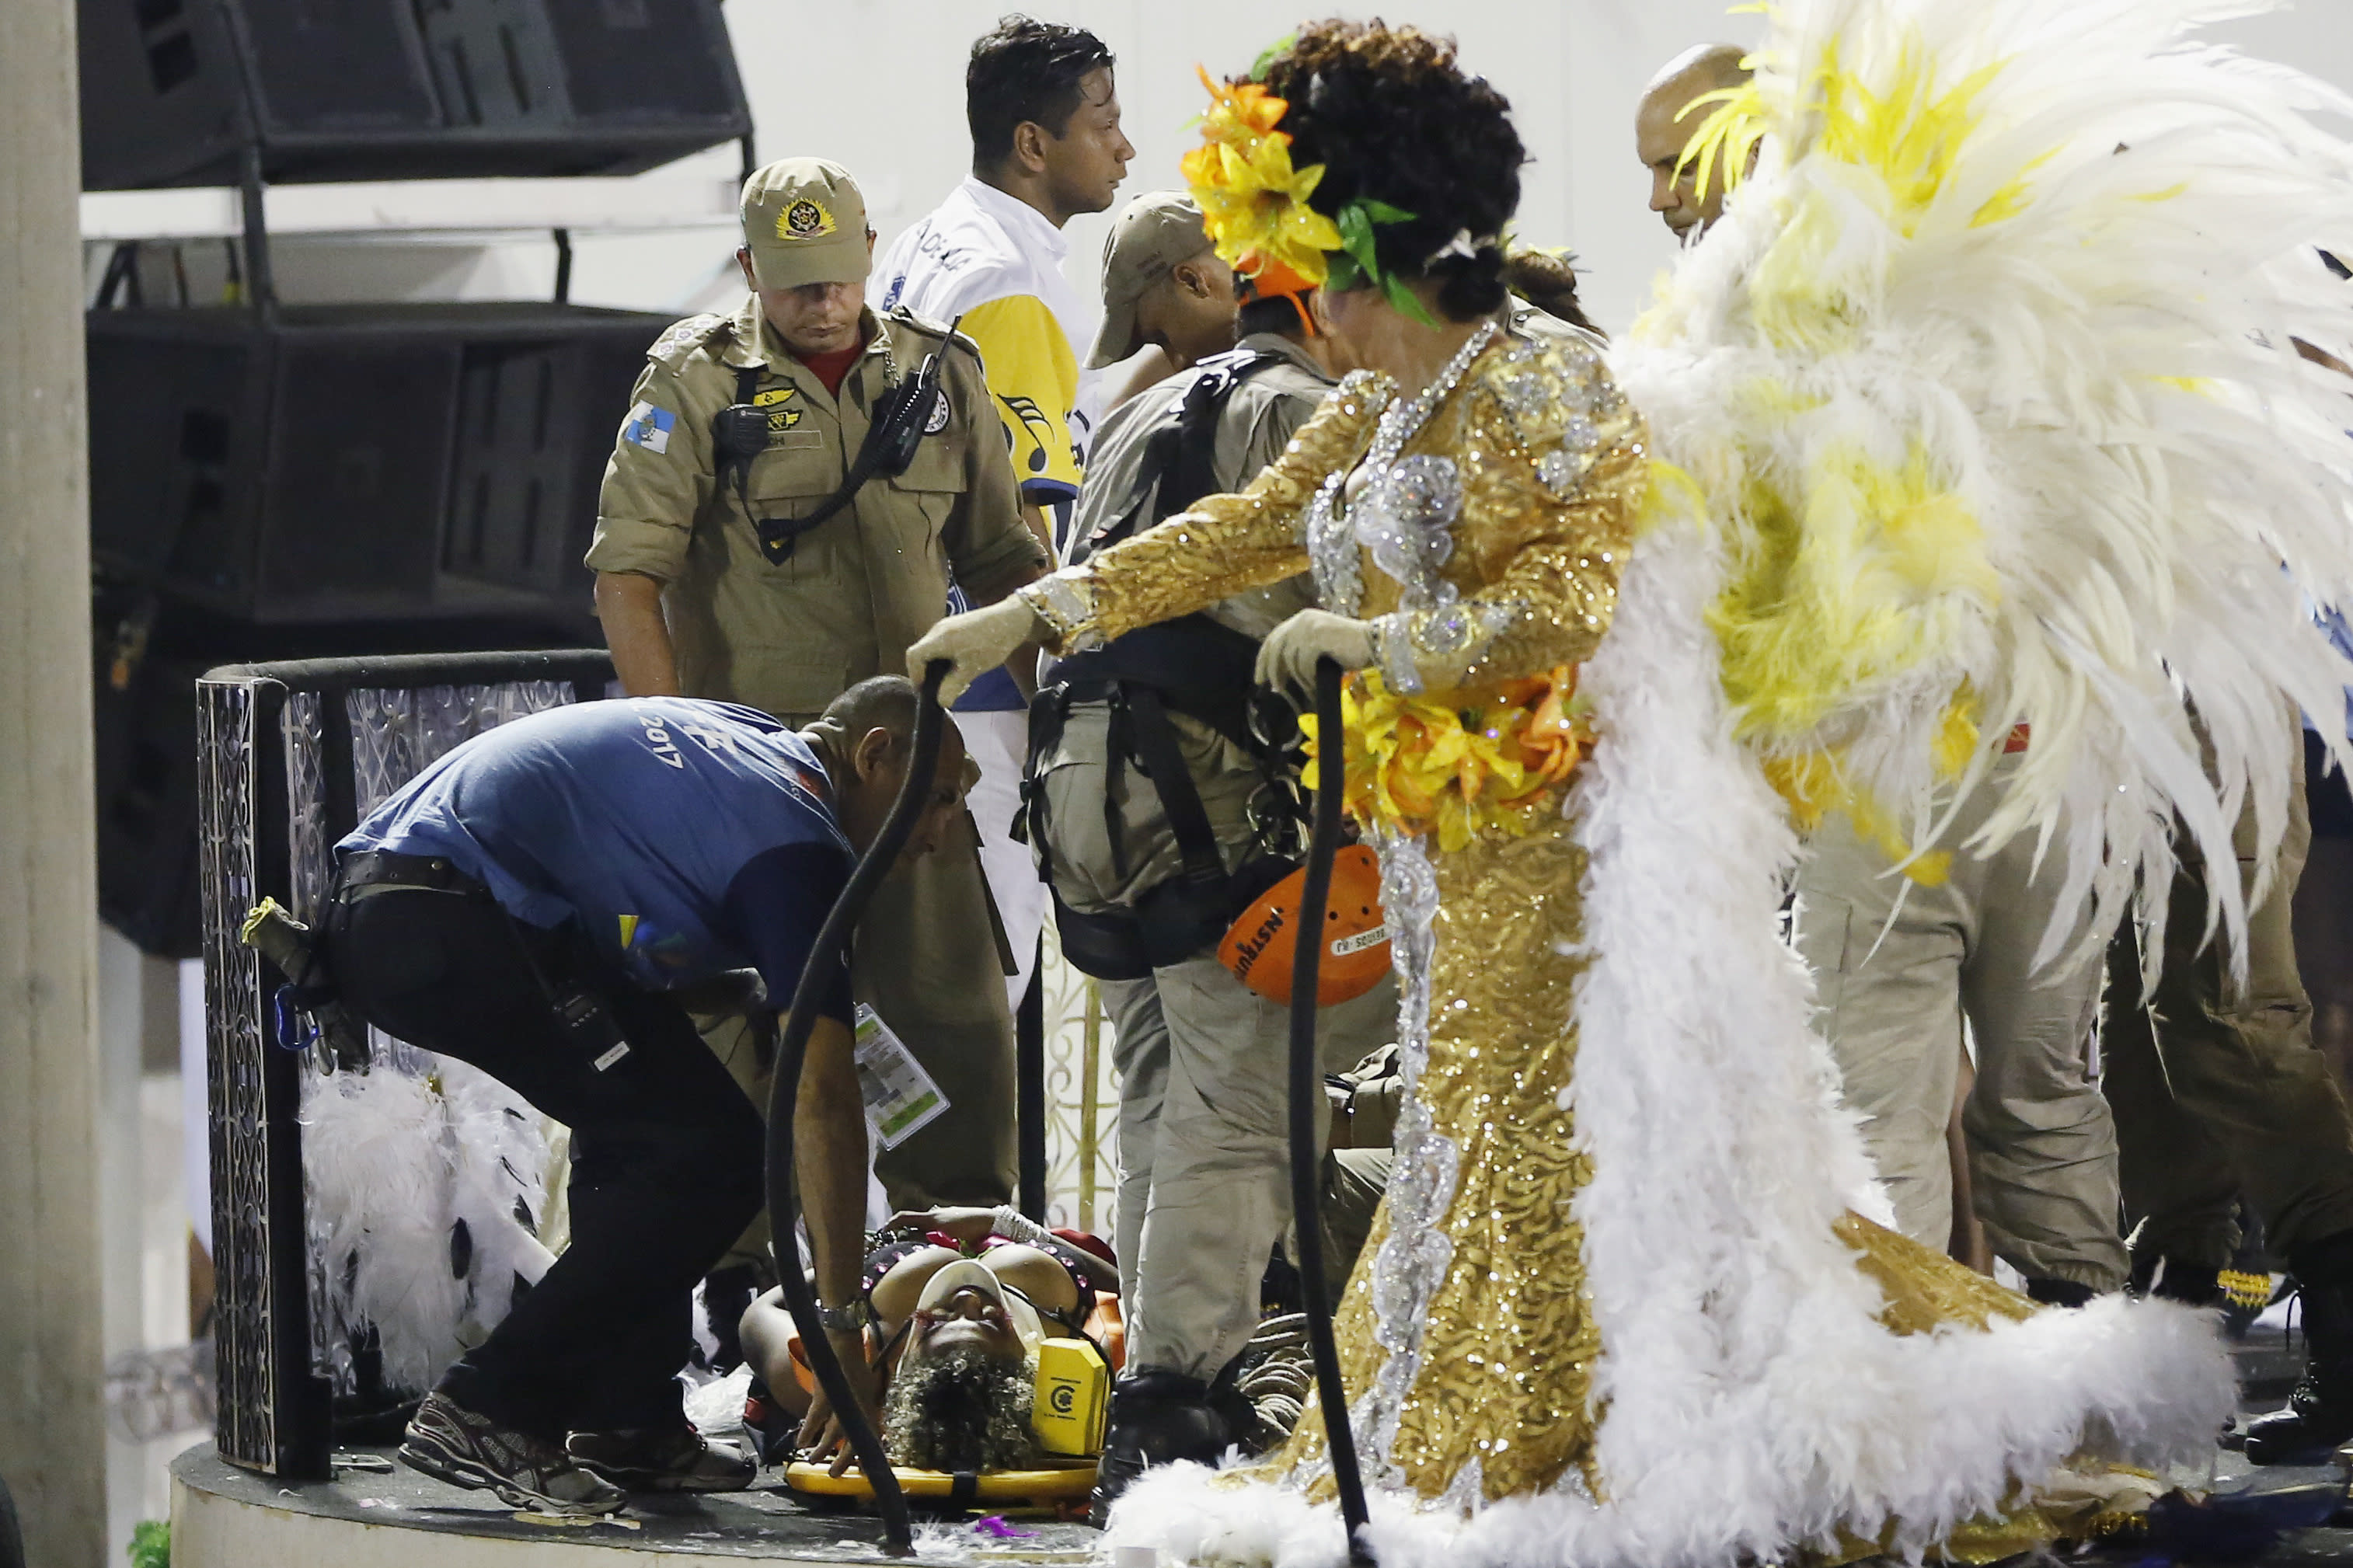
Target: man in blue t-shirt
point(538, 903)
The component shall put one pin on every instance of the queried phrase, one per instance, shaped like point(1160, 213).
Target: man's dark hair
point(1548, 280)
point(1026, 70)
point(879, 703)
point(1277, 315)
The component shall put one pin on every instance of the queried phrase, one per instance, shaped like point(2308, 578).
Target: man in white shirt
point(1046, 146)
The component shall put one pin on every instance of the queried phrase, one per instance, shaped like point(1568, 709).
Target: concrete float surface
point(386, 1516)
point(224, 1517)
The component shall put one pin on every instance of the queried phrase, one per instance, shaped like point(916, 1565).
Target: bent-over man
point(537, 903)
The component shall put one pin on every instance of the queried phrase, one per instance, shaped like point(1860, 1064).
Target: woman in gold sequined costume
point(1464, 501)
point(1467, 500)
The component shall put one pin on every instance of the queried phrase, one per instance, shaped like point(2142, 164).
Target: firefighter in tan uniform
point(754, 544)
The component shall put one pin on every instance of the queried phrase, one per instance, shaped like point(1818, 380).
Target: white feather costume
point(1987, 379)
point(1978, 408)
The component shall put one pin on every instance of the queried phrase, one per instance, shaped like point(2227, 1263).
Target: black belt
point(367, 872)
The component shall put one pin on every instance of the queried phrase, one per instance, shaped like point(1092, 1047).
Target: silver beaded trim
point(1413, 1259)
point(1406, 517)
point(1066, 603)
point(1393, 651)
point(1332, 550)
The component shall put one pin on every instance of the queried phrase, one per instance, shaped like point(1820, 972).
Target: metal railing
point(279, 784)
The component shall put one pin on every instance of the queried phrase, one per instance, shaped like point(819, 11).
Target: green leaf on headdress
point(1344, 273)
point(1265, 62)
point(1356, 227)
point(1405, 300)
point(1381, 212)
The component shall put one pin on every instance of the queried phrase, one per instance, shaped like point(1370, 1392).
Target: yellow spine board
point(1073, 1396)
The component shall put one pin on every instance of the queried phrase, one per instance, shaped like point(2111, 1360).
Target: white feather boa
point(393, 1166)
point(1751, 1400)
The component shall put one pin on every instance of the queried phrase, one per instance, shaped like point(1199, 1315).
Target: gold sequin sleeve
point(1554, 472)
point(1223, 545)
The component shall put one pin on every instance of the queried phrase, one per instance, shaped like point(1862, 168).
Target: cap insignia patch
point(804, 220)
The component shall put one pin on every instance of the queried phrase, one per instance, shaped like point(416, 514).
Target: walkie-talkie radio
point(903, 416)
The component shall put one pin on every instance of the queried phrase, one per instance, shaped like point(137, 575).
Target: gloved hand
point(1286, 661)
point(978, 641)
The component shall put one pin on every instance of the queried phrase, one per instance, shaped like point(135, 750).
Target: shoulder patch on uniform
point(930, 328)
point(685, 337)
point(649, 427)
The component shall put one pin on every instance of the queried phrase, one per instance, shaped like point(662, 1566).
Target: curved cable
point(784, 1101)
point(1307, 1103)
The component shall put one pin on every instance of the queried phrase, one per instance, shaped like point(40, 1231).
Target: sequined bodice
point(1485, 538)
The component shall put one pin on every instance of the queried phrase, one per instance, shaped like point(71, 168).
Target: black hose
point(784, 1101)
point(1307, 1108)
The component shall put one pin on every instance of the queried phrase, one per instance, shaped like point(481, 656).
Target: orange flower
point(1245, 106)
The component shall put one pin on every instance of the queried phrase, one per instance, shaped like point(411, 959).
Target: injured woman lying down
point(962, 1298)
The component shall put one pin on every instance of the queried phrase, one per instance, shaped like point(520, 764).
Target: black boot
point(2319, 1414)
point(2191, 1284)
point(2167, 1279)
point(1157, 1418)
point(2049, 1292)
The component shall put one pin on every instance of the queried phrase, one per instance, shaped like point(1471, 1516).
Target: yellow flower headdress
point(1257, 208)
point(1253, 202)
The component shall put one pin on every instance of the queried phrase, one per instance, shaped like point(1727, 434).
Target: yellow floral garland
point(1461, 763)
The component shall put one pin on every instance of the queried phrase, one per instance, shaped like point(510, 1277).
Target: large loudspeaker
point(359, 462)
point(146, 712)
point(173, 91)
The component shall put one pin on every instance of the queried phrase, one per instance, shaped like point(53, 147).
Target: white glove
point(1287, 659)
point(977, 642)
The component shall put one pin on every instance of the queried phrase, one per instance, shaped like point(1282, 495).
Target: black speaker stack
point(277, 481)
point(177, 93)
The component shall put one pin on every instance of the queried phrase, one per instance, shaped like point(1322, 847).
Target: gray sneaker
point(451, 1443)
point(663, 1460)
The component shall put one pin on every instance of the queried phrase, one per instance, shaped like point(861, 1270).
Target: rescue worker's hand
point(821, 1440)
point(977, 642)
point(1286, 661)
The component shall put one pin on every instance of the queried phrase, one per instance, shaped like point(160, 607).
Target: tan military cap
point(805, 222)
point(1153, 233)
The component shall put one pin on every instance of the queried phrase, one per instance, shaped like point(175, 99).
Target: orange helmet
point(1258, 946)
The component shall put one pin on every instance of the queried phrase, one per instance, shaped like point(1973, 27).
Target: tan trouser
point(1897, 968)
point(1205, 1151)
point(1355, 1180)
point(1204, 1183)
point(2217, 1089)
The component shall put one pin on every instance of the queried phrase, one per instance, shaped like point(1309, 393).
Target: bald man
point(1669, 117)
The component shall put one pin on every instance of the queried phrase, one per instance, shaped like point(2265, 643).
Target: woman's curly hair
point(1391, 116)
point(961, 1410)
